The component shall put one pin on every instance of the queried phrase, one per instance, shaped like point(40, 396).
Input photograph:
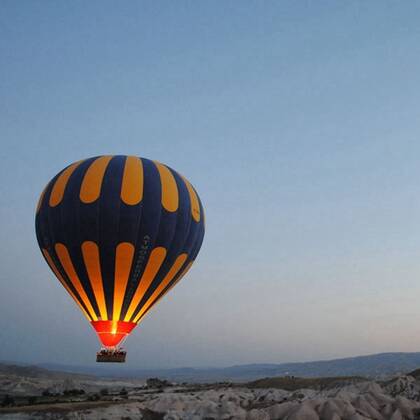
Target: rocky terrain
point(20, 381)
point(39, 394)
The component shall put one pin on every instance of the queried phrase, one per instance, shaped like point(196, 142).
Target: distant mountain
point(376, 365)
point(32, 371)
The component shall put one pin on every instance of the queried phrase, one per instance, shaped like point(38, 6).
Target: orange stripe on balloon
point(171, 274)
point(180, 277)
point(60, 184)
point(123, 261)
point(41, 199)
point(63, 282)
point(156, 258)
point(195, 206)
point(169, 288)
point(64, 257)
point(170, 199)
point(92, 181)
point(132, 183)
point(90, 253)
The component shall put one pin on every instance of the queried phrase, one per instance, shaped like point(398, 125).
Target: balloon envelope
point(119, 232)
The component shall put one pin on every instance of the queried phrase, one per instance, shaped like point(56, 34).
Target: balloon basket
point(111, 356)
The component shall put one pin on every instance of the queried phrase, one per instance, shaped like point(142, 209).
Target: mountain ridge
point(372, 365)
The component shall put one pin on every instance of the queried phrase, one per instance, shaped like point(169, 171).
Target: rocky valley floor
point(79, 397)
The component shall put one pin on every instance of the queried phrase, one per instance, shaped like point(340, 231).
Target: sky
point(297, 122)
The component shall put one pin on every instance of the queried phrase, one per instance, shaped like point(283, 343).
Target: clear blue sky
point(297, 122)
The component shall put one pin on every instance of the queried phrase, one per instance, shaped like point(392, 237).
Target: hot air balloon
point(118, 232)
